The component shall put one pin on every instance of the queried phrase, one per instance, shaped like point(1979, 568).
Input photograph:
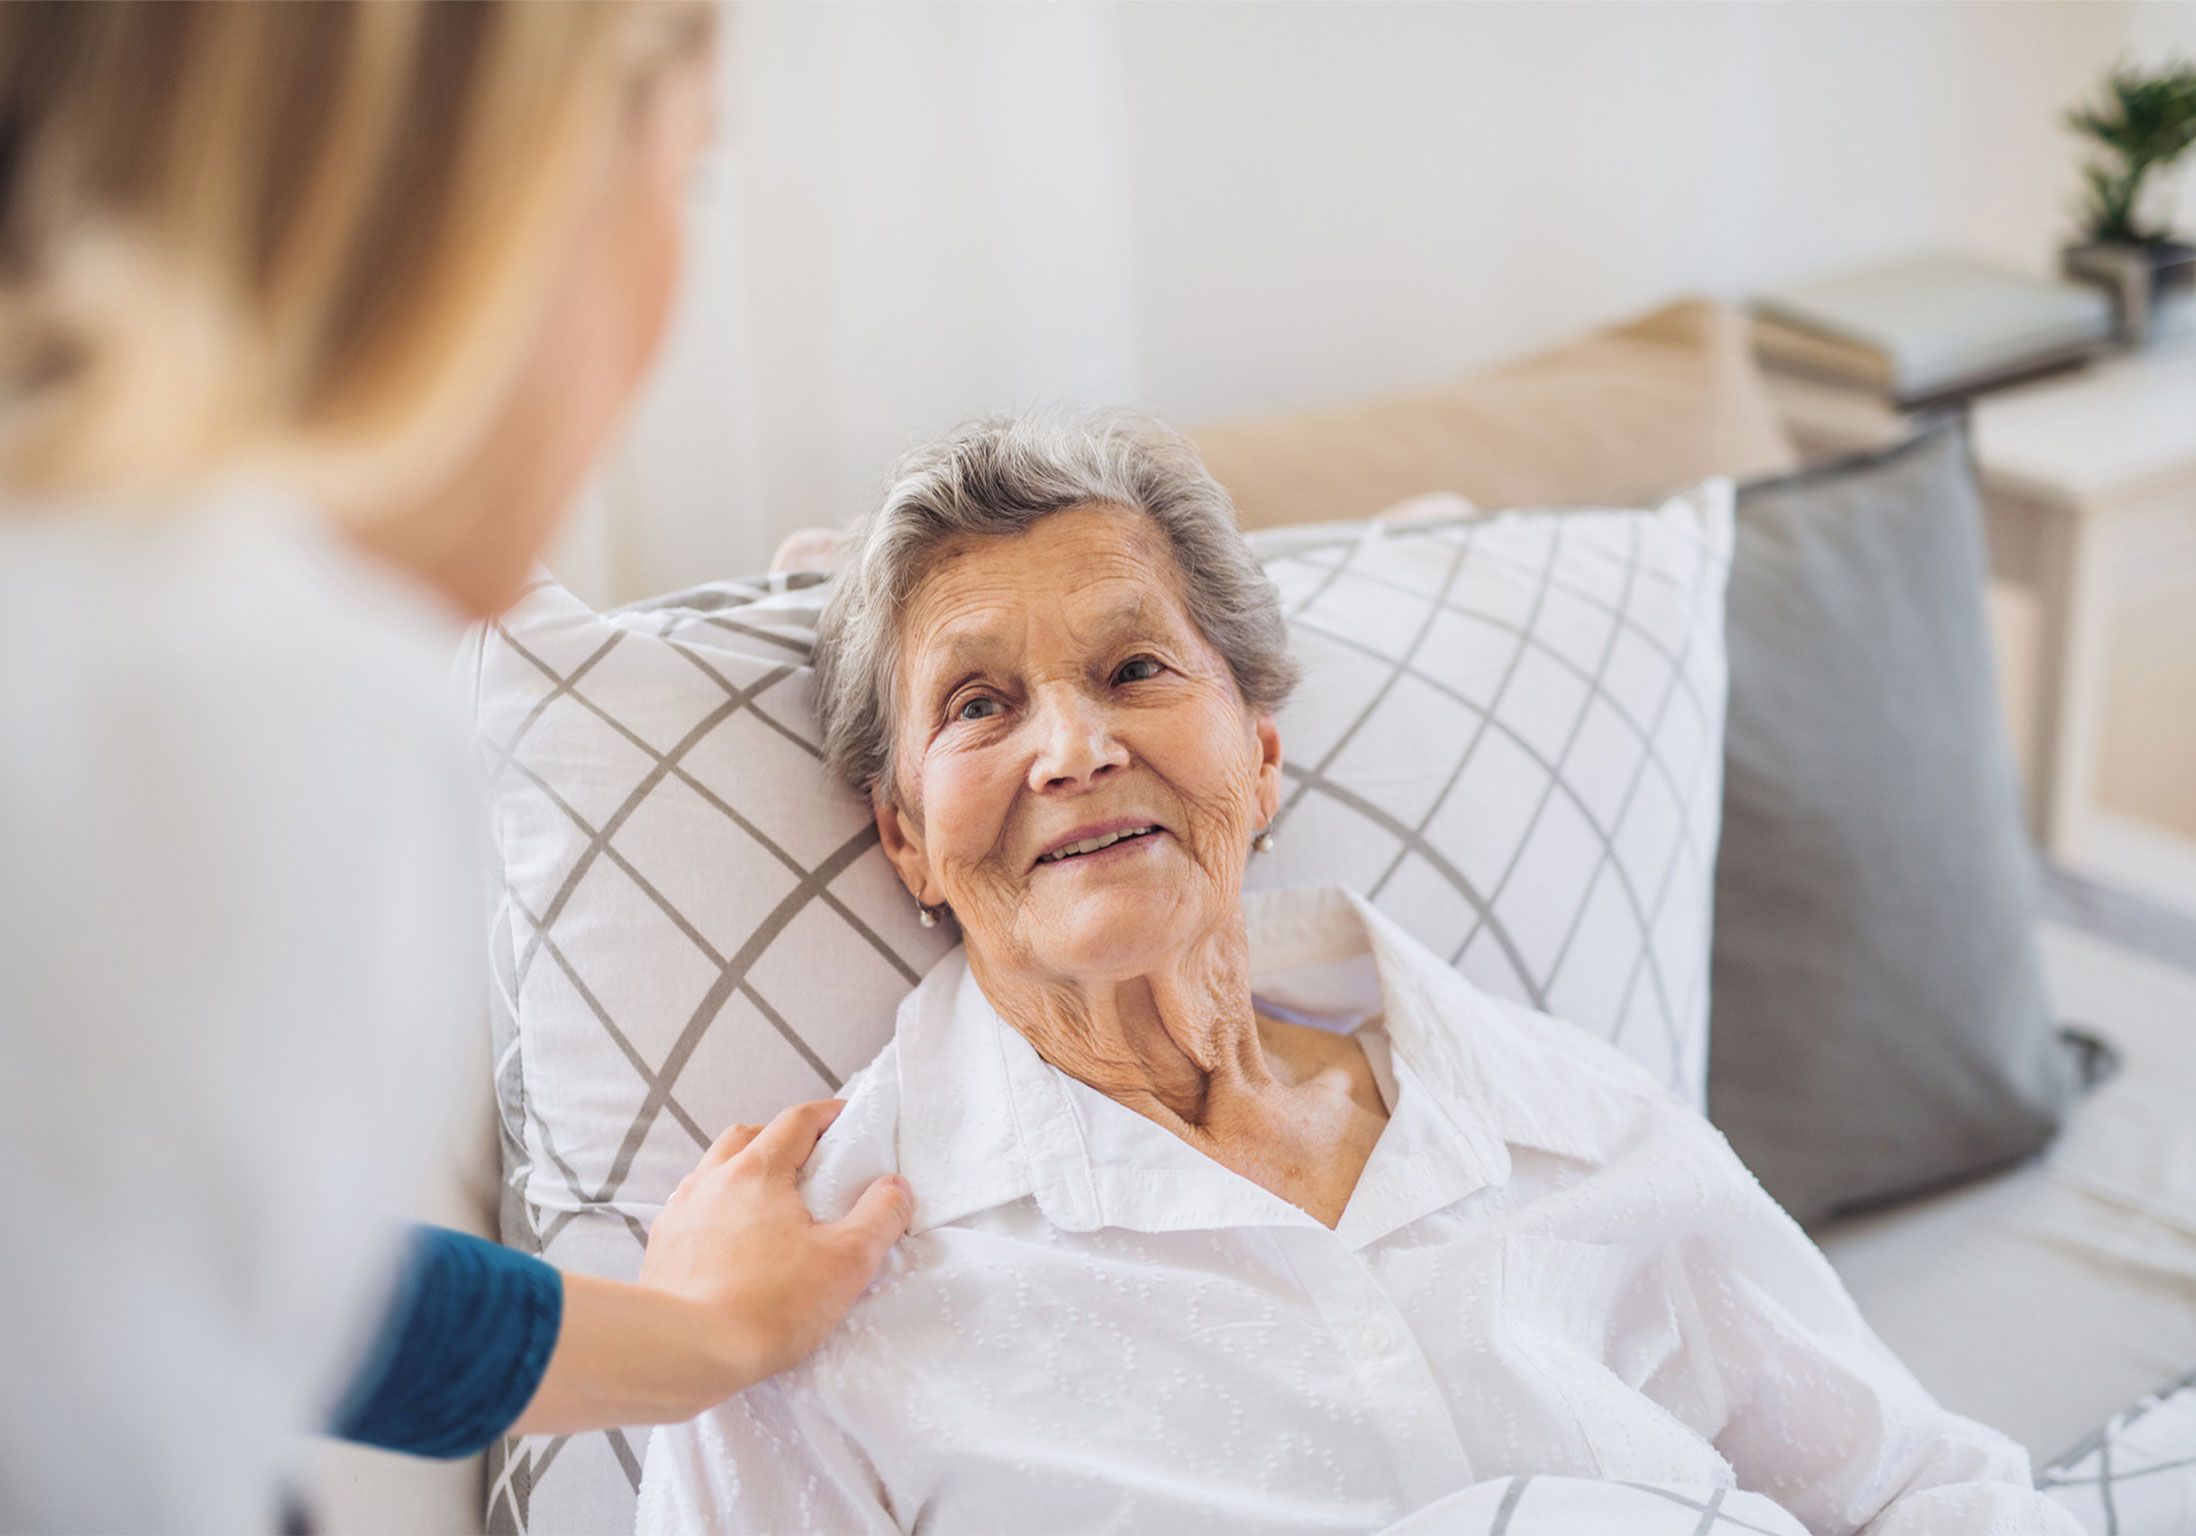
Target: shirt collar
point(985, 1120)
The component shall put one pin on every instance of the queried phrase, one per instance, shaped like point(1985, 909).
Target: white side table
point(2089, 486)
point(2090, 482)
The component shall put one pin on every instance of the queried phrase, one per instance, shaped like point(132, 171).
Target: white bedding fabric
point(1584, 1506)
point(2047, 1299)
point(1550, 1262)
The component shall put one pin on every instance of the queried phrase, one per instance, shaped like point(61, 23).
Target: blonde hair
point(309, 236)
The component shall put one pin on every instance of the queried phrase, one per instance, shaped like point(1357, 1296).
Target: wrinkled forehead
point(1080, 581)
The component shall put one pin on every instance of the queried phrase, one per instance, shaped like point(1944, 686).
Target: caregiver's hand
point(736, 1241)
point(738, 1283)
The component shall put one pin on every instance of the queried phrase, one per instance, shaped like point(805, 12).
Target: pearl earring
point(1263, 842)
point(925, 916)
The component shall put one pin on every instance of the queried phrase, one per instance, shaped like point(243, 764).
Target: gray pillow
point(1878, 1018)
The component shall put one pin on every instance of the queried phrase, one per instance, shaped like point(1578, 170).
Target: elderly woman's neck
point(1170, 1043)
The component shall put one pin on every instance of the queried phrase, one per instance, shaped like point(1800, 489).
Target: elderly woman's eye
point(982, 705)
point(1129, 674)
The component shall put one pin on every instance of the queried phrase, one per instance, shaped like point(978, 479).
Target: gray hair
point(997, 476)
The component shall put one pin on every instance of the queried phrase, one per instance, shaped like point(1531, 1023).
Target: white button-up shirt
point(1549, 1265)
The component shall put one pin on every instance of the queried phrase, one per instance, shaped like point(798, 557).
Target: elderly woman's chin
point(1118, 912)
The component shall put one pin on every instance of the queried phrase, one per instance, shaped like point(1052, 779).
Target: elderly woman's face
point(1054, 695)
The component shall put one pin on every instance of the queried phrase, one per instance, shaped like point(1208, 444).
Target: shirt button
point(1375, 1339)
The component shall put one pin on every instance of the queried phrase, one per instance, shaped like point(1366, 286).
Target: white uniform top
point(240, 936)
point(1550, 1265)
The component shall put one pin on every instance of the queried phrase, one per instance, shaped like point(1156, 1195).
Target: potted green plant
point(2146, 121)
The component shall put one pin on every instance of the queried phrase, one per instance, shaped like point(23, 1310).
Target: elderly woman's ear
point(902, 838)
point(1269, 770)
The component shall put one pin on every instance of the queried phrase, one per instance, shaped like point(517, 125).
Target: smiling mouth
point(1091, 845)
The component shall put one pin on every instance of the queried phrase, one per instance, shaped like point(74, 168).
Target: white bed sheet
point(2045, 1300)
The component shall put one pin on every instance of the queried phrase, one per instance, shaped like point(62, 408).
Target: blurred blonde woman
point(311, 320)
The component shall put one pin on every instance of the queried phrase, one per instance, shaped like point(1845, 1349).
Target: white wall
point(924, 210)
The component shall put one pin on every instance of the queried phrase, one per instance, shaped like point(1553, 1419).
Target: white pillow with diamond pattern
point(1509, 735)
point(2137, 1473)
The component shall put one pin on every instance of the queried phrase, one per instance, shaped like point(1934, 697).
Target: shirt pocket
point(1594, 1325)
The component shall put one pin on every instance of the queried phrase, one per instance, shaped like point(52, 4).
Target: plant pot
point(2152, 283)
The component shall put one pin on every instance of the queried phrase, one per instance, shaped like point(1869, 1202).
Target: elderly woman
point(1239, 1213)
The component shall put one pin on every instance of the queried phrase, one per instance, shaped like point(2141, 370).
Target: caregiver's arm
point(737, 1283)
point(1816, 1411)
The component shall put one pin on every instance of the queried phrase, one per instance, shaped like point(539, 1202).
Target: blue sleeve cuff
point(466, 1342)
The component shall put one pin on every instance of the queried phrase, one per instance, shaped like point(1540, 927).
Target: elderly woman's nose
point(1075, 740)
